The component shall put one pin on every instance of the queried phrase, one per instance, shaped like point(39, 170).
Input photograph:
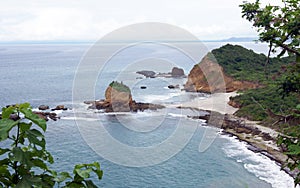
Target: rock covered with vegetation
point(118, 98)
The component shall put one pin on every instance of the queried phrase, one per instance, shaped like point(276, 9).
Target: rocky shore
point(260, 139)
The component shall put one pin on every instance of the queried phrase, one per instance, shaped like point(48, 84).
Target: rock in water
point(177, 72)
point(148, 74)
point(43, 107)
point(59, 107)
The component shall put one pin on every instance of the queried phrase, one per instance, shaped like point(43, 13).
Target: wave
point(258, 164)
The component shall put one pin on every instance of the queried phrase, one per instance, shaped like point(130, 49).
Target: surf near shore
point(260, 139)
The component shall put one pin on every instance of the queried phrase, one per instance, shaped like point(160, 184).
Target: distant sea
point(44, 74)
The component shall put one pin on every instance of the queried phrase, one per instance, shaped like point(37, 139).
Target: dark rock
point(266, 137)
point(59, 107)
point(173, 86)
point(243, 130)
point(47, 115)
point(43, 107)
point(143, 87)
point(177, 72)
point(147, 74)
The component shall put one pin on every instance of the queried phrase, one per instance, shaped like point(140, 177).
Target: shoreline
point(260, 139)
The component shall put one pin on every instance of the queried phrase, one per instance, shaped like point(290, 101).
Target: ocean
point(145, 149)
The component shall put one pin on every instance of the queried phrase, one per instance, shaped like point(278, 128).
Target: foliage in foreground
point(279, 26)
point(25, 162)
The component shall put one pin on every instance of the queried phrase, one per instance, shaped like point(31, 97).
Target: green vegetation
point(119, 87)
point(255, 102)
point(244, 64)
point(280, 28)
point(24, 158)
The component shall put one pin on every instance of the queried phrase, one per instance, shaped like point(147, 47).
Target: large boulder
point(118, 96)
point(177, 72)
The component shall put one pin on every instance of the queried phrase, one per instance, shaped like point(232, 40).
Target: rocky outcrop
point(47, 115)
point(118, 99)
point(59, 107)
point(43, 107)
point(147, 74)
point(209, 77)
point(177, 72)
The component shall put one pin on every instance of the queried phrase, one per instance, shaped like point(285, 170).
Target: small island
point(176, 72)
point(118, 98)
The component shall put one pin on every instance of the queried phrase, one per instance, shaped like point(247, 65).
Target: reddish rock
point(209, 77)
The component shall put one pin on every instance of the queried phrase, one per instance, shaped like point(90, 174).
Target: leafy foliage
point(280, 27)
point(27, 154)
point(244, 64)
point(119, 87)
point(253, 103)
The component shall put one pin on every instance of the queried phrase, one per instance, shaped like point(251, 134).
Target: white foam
point(177, 115)
point(160, 98)
point(80, 118)
point(258, 164)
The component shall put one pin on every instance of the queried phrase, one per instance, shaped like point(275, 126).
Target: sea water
point(44, 74)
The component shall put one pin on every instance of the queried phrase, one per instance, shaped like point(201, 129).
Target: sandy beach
point(216, 102)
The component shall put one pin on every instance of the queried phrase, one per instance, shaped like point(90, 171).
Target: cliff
point(209, 77)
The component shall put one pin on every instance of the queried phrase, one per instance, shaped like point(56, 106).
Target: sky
point(37, 20)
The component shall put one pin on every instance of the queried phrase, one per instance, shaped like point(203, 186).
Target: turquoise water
point(43, 74)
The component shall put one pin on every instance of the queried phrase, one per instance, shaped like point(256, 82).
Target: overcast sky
point(91, 19)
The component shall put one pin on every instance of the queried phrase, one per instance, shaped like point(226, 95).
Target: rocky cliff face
point(209, 77)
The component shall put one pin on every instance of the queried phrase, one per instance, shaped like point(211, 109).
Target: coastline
point(260, 139)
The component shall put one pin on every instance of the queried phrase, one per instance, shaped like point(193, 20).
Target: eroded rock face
point(112, 95)
point(118, 99)
point(209, 77)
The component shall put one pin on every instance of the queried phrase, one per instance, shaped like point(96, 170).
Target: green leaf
point(39, 163)
point(298, 106)
point(62, 177)
point(2, 150)
point(24, 106)
point(34, 118)
point(90, 184)
point(6, 112)
point(84, 173)
point(25, 126)
point(33, 136)
point(5, 126)
point(23, 157)
point(29, 181)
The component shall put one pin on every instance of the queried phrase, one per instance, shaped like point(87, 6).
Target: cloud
point(90, 19)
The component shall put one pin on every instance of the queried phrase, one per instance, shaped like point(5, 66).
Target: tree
point(279, 26)
point(25, 162)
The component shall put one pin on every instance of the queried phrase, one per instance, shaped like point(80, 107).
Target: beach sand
point(216, 102)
